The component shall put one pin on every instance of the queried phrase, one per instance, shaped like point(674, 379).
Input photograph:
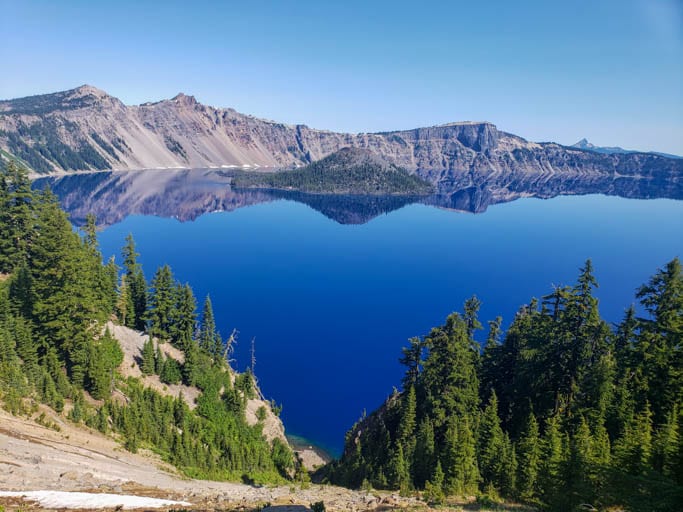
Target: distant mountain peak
point(583, 144)
point(89, 90)
point(184, 99)
point(616, 150)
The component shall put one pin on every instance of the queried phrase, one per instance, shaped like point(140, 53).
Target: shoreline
point(33, 175)
point(313, 456)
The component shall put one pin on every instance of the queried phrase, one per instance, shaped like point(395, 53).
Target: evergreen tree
point(397, 473)
point(491, 444)
point(184, 317)
point(124, 306)
point(509, 466)
point(137, 285)
point(161, 304)
point(471, 308)
point(412, 360)
point(148, 360)
point(159, 360)
point(578, 487)
point(450, 382)
point(424, 459)
point(529, 457)
point(659, 348)
point(16, 216)
point(490, 358)
point(105, 356)
point(434, 492)
point(64, 291)
point(207, 331)
point(406, 428)
point(633, 451)
point(552, 461)
point(666, 446)
point(170, 372)
point(459, 461)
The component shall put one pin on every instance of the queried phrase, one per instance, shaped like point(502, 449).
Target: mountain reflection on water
point(187, 194)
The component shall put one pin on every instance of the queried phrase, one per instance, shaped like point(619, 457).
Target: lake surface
point(330, 300)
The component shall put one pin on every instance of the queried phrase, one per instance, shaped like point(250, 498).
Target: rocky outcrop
point(132, 342)
point(86, 129)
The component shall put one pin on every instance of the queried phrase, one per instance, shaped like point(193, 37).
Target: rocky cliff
point(86, 129)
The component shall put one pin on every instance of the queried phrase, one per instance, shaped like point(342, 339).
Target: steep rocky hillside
point(86, 129)
point(132, 343)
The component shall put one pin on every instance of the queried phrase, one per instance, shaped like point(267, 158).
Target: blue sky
point(611, 71)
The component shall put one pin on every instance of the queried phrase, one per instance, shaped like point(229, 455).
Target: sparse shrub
point(261, 413)
point(318, 506)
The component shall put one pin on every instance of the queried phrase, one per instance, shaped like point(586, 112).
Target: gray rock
point(107, 134)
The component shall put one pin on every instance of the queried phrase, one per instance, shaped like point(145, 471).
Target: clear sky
point(610, 71)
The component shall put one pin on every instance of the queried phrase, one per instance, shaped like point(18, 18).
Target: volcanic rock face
point(86, 129)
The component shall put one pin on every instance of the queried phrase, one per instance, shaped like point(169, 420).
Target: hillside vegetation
point(566, 413)
point(56, 296)
point(348, 171)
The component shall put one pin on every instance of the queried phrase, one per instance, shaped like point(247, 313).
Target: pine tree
point(659, 345)
point(509, 466)
point(633, 451)
point(406, 428)
point(148, 363)
point(434, 487)
point(424, 458)
point(412, 360)
point(16, 216)
point(576, 474)
point(65, 302)
point(207, 332)
point(162, 303)
point(449, 379)
point(471, 308)
point(601, 449)
point(159, 360)
point(183, 317)
point(552, 460)
point(170, 373)
point(490, 446)
point(124, 307)
point(105, 356)
point(137, 285)
point(489, 362)
point(459, 460)
point(191, 367)
point(397, 470)
point(625, 338)
point(666, 446)
point(529, 457)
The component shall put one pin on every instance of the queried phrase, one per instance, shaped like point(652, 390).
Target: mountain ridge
point(87, 129)
point(589, 146)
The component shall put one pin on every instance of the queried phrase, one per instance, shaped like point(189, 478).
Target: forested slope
point(348, 171)
point(56, 296)
point(566, 412)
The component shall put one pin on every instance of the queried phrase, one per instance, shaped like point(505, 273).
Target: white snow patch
point(75, 500)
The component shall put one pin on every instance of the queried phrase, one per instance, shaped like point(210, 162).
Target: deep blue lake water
point(331, 305)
